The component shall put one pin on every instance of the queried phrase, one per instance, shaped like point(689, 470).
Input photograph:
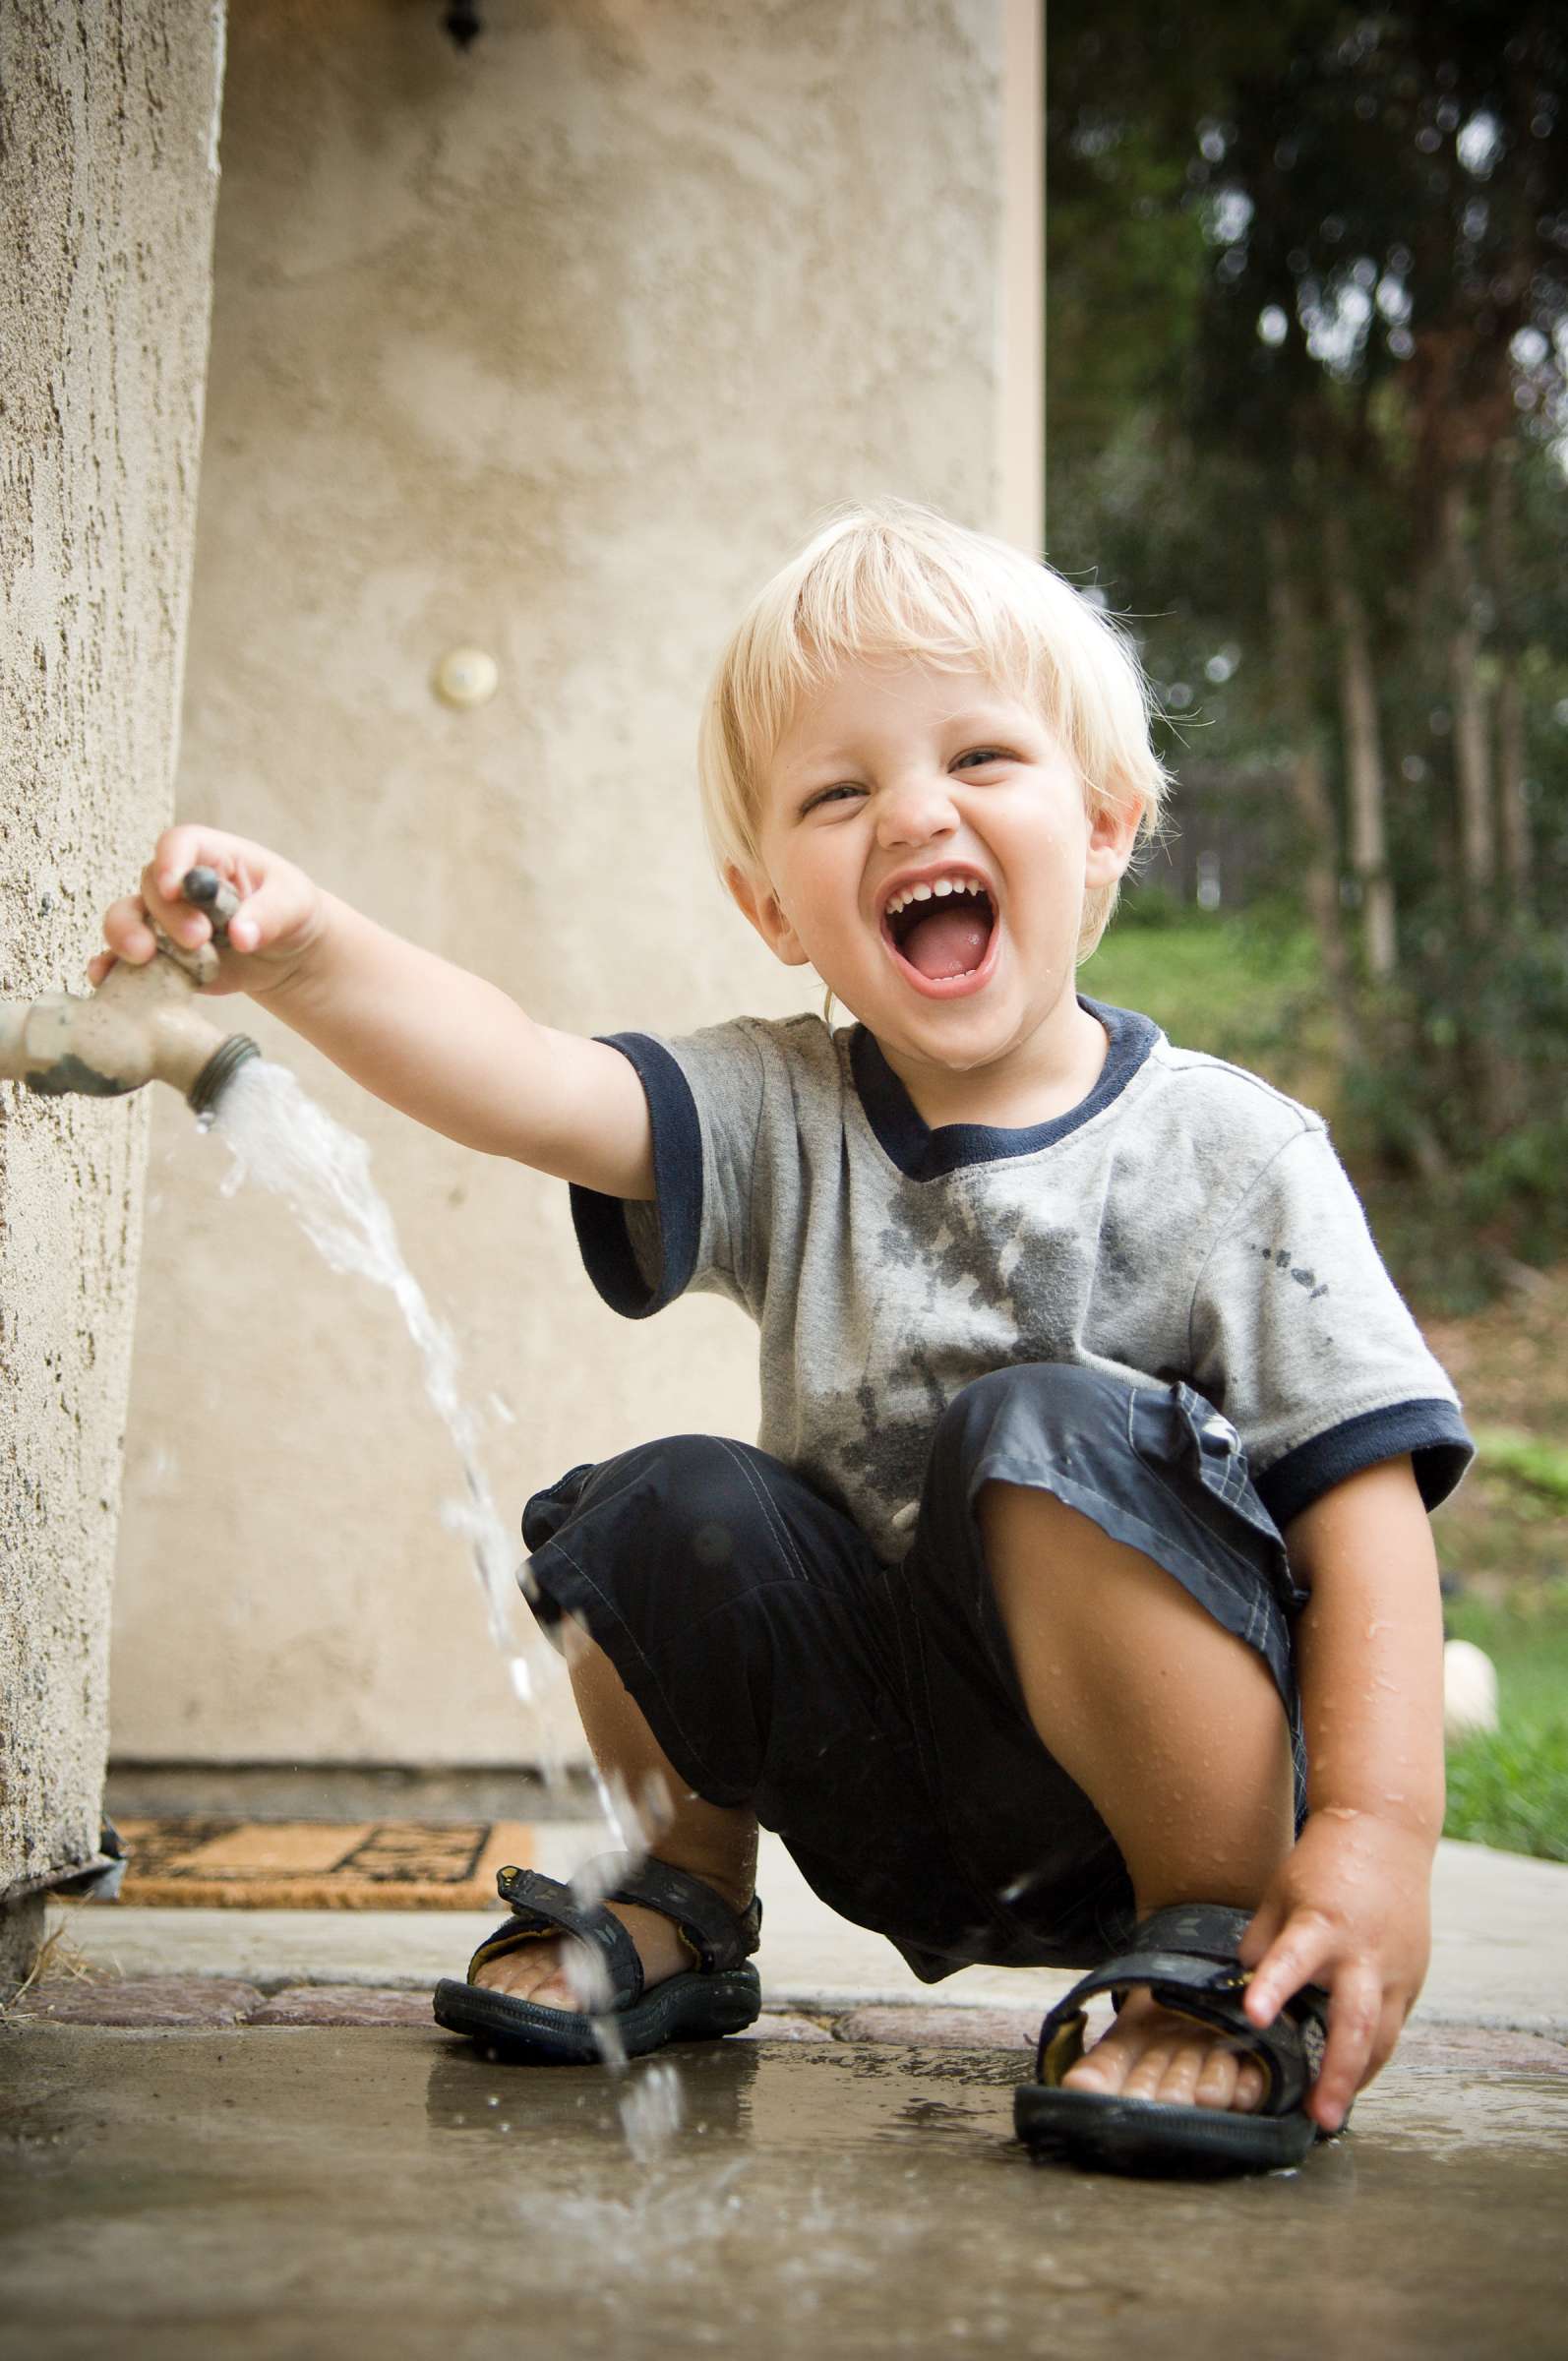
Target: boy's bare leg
point(1173, 1730)
point(713, 1843)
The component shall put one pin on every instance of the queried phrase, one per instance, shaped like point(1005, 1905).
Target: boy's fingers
point(1266, 1922)
point(1390, 2025)
point(267, 898)
point(184, 921)
point(179, 919)
point(1355, 2014)
point(183, 848)
point(126, 930)
point(1292, 1960)
point(265, 910)
point(180, 850)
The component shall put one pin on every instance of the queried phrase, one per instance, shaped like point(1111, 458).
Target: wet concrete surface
point(298, 2194)
point(1500, 1928)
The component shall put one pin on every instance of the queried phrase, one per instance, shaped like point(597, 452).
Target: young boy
point(1096, 1445)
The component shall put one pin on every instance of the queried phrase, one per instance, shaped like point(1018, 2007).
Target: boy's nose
point(915, 811)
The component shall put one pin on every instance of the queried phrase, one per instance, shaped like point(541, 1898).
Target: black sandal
point(721, 1995)
point(1188, 1957)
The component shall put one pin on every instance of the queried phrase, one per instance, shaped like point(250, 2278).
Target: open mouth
point(942, 933)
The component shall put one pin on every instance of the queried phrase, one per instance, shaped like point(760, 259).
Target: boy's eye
point(978, 754)
point(830, 795)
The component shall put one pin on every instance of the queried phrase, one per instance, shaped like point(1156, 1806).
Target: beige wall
point(108, 182)
point(554, 348)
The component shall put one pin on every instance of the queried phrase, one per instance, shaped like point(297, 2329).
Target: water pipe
point(138, 1026)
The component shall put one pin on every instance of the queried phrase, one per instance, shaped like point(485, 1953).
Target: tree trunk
point(1512, 813)
point(1309, 787)
point(1363, 751)
point(1468, 696)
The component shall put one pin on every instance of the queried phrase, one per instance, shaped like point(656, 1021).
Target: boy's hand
point(279, 919)
point(1349, 1908)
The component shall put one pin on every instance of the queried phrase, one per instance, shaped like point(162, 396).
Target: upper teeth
point(924, 893)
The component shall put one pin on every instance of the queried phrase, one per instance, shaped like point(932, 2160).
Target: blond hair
point(888, 581)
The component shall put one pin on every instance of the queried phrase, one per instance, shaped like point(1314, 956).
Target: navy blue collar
point(923, 1154)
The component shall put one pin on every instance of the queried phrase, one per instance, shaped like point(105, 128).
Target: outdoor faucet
point(138, 1026)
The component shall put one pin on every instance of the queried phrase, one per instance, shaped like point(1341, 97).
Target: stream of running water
point(281, 1140)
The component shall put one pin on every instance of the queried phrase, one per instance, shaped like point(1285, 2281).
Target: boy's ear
point(756, 898)
point(1112, 833)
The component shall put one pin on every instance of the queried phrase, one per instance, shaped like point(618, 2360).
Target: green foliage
point(1511, 1791)
point(1511, 1788)
point(1242, 984)
point(1530, 1459)
point(1246, 985)
point(1473, 1060)
point(1381, 193)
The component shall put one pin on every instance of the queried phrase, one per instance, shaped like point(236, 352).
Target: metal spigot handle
point(205, 890)
point(213, 894)
point(217, 897)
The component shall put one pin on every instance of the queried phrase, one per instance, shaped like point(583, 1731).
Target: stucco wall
point(556, 348)
point(107, 181)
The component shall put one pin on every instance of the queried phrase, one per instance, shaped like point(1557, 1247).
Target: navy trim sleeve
point(600, 1222)
point(1433, 1433)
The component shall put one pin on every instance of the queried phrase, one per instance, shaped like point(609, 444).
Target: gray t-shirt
point(1185, 1221)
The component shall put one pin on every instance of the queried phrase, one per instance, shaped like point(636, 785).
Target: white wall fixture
point(466, 676)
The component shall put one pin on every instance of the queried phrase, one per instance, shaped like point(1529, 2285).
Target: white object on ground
point(1470, 1692)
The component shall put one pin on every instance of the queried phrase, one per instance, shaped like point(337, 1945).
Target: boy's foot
point(538, 1970)
point(1149, 2052)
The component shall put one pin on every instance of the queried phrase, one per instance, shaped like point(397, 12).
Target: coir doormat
point(318, 1864)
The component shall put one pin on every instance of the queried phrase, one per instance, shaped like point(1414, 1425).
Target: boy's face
point(895, 788)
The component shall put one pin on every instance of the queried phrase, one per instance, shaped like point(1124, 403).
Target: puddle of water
point(281, 1140)
point(1469, 2123)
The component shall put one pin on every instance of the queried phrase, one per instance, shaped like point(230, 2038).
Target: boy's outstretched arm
point(442, 1045)
point(1350, 1907)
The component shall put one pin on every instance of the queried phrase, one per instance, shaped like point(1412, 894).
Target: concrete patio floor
point(274, 2155)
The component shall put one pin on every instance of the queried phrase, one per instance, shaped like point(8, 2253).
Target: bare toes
point(1178, 2085)
point(1220, 2081)
point(1104, 2071)
point(1148, 2056)
point(1250, 2085)
point(1146, 2076)
point(556, 1992)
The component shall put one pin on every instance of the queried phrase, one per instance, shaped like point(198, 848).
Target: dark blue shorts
point(871, 1713)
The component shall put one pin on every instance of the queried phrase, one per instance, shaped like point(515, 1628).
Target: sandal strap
point(541, 1904)
point(720, 1937)
point(1186, 1956)
point(1208, 1930)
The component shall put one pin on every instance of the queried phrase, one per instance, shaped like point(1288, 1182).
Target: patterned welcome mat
point(320, 1864)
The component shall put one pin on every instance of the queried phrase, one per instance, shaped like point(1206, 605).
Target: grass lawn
point(1511, 1789)
point(1242, 986)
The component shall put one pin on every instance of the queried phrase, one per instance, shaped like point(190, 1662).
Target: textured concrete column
point(107, 181)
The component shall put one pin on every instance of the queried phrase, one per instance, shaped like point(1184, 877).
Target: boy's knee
point(691, 1494)
point(1030, 1424)
point(1030, 1406)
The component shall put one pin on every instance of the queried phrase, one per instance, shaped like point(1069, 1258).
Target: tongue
point(947, 943)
